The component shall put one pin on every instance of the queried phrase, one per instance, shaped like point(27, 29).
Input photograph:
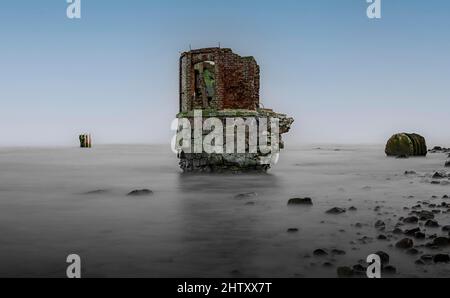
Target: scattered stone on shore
point(419, 235)
point(96, 192)
point(425, 215)
point(382, 237)
point(410, 173)
point(446, 228)
point(431, 223)
point(292, 230)
point(439, 175)
point(447, 163)
point(352, 208)
point(440, 241)
point(412, 251)
point(246, 195)
point(336, 210)
point(380, 225)
point(300, 201)
point(412, 232)
point(345, 272)
point(320, 252)
point(338, 252)
point(140, 192)
point(426, 258)
point(389, 269)
point(441, 258)
point(411, 220)
point(397, 231)
point(384, 257)
point(405, 243)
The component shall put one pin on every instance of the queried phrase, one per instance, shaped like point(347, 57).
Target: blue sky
point(114, 73)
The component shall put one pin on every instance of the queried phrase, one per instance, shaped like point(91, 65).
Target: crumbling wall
point(236, 80)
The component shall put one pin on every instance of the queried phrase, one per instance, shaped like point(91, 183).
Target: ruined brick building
point(222, 84)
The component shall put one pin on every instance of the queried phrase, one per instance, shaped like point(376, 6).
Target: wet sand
point(59, 201)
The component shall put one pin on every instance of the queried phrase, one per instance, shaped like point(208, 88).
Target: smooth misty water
point(194, 226)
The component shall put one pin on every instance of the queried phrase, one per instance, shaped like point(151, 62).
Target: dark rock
point(359, 269)
point(412, 232)
point(412, 251)
point(402, 156)
point(345, 272)
point(389, 269)
point(338, 252)
point(320, 252)
point(336, 210)
point(440, 241)
point(292, 230)
point(432, 223)
point(411, 220)
point(327, 264)
point(441, 258)
point(438, 175)
point(447, 163)
point(352, 208)
point(419, 235)
point(246, 195)
point(300, 201)
point(382, 237)
point(426, 258)
point(405, 243)
point(425, 215)
point(410, 173)
point(419, 262)
point(397, 231)
point(446, 228)
point(384, 257)
point(435, 182)
point(140, 192)
point(96, 192)
point(380, 225)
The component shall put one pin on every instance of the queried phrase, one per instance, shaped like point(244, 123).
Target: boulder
point(405, 144)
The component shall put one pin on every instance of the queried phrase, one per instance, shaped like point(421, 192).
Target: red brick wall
point(237, 78)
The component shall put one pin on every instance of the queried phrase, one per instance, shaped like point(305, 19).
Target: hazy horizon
point(114, 73)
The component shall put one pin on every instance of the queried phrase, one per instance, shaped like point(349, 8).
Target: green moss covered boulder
point(406, 144)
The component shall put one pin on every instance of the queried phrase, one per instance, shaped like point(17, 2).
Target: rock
point(425, 215)
point(412, 232)
point(359, 269)
point(397, 231)
point(320, 253)
point(338, 252)
point(411, 220)
point(432, 223)
point(384, 257)
point(300, 201)
point(419, 262)
point(435, 182)
point(402, 156)
point(447, 163)
point(382, 237)
point(327, 264)
point(438, 175)
point(292, 230)
point(96, 192)
point(419, 235)
point(405, 243)
point(410, 173)
point(441, 258)
point(336, 210)
point(412, 251)
point(380, 225)
point(426, 258)
point(440, 241)
point(445, 197)
point(246, 195)
point(345, 272)
point(352, 208)
point(140, 192)
point(446, 228)
point(389, 269)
